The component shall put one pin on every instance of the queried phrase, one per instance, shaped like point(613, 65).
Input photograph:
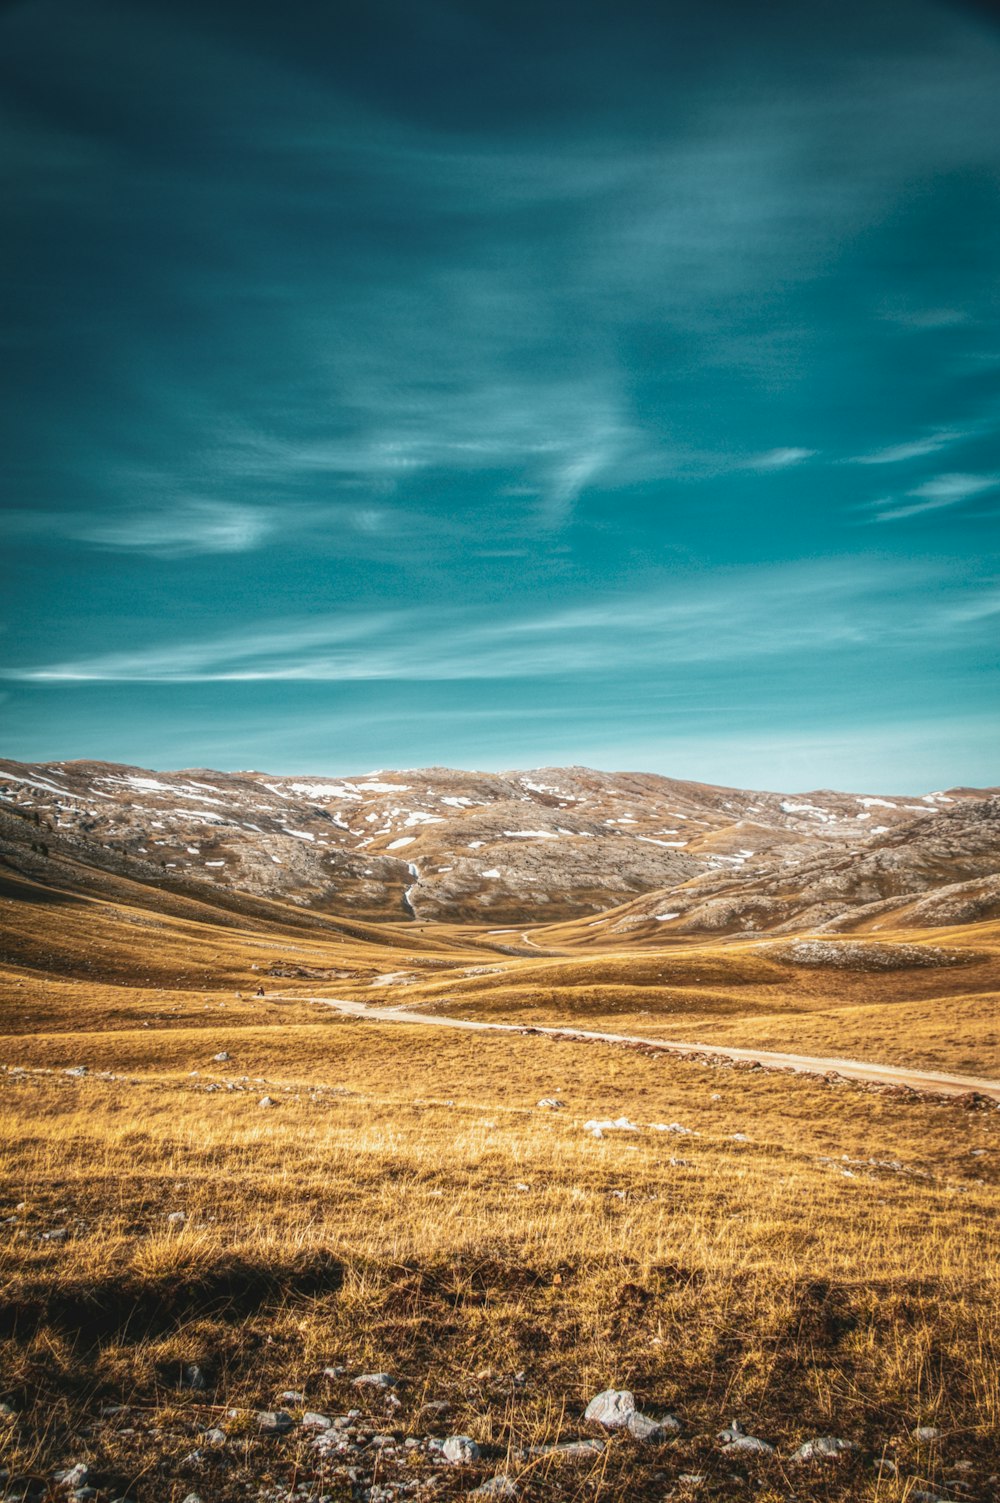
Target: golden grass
point(406, 1205)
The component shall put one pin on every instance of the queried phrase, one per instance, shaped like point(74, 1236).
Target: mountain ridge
point(538, 846)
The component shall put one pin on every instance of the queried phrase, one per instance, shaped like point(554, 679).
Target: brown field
point(406, 1206)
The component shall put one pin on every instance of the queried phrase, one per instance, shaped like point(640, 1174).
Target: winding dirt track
point(928, 1081)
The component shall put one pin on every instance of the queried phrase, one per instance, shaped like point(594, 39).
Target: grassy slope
point(406, 1205)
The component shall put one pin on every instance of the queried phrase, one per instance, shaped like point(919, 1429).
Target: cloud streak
point(736, 617)
point(934, 495)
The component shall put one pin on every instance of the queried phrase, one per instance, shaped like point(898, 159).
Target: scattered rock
point(598, 1126)
point(192, 1377)
point(552, 1104)
point(177, 1218)
point(735, 1439)
point(824, 1448)
point(291, 1396)
point(460, 1450)
point(383, 1381)
point(433, 1409)
point(267, 1101)
point(193, 1498)
point(274, 1421)
point(73, 1476)
point(313, 1421)
point(500, 1486)
point(652, 1432)
point(222, 1057)
point(611, 1408)
point(575, 1449)
point(214, 1436)
point(925, 1433)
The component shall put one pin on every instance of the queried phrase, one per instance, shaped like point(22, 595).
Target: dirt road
point(852, 1069)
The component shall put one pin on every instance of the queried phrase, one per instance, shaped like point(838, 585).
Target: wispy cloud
point(727, 617)
point(934, 495)
point(779, 459)
point(917, 449)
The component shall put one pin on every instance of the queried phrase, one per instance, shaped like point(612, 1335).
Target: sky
point(503, 385)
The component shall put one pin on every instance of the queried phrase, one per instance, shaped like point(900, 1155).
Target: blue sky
point(503, 384)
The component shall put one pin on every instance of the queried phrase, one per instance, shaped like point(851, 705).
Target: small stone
point(77, 1071)
point(552, 1104)
point(611, 1408)
point(177, 1218)
point(266, 1101)
point(214, 1436)
point(57, 1234)
point(576, 1450)
point(433, 1409)
point(650, 1431)
point(194, 1378)
point(193, 1498)
point(383, 1381)
point(313, 1421)
point(460, 1450)
point(274, 1421)
point(73, 1476)
point(222, 1057)
point(334, 1372)
point(291, 1396)
point(500, 1486)
point(925, 1433)
point(736, 1439)
point(824, 1448)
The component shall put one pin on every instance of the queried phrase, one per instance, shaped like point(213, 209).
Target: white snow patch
point(493, 872)
point(215, 863)
point(648, 840)
point(530, 835)
point(821, 814)
point(299, 834)
point(661, 918)
point(394, 845)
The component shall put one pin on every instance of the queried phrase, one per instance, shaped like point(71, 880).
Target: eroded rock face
point(514, 848)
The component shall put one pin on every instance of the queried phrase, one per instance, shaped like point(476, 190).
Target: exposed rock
point(460, 1450)
point(382, 1381)
point(267, 1101)
point(735, 1439)
point(651, 1431)
point(500, 1486)
point(750, 1444)
point(73, 1477)
point(824, 1448)
point(926, 1433)
point(611, 1408)
point(274, 1421)
point(313, 1421)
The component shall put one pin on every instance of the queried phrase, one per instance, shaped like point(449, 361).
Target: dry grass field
point(808, 1258)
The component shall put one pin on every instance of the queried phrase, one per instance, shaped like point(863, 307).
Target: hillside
point(501, 849)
